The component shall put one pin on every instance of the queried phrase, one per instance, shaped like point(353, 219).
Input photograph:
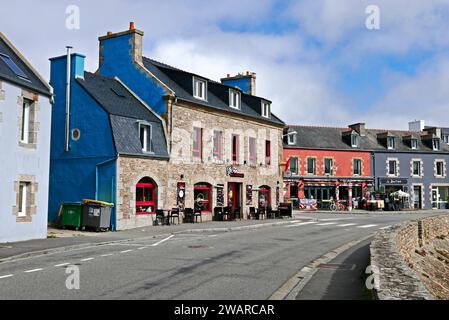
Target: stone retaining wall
point(411, 261)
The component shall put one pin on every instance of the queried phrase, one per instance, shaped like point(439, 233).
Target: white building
point(25, 124)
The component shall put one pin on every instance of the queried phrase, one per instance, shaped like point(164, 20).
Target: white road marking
point(126, 251)
point(141, 248)
point(383, 228)
point(62, 264)
point(6, 276)
point(368, 226)
point(336, 219)
point(346, 225)
point(326, 224)
point(87, 259)
point(162, 241)
point(107, 255)
point(34, 270)
point(301, 224)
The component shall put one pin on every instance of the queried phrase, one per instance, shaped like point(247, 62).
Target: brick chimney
point(126, 43)
point(359, 128)
point(244, 81)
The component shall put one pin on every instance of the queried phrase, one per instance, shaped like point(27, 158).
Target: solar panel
point(13, 66)
point(118, 92)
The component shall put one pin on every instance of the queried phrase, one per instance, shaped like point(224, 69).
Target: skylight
point(13, 66)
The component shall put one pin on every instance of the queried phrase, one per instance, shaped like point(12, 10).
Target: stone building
point(25, 117)
point(224, 141)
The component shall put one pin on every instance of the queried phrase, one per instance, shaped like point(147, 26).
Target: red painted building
point(325, 164)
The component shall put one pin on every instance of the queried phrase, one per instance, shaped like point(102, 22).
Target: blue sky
point(315, 59)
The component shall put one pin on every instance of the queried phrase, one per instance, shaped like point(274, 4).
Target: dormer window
point(199, 89)
point(354, 140)
point(234, 99)
point(446, 138)
point(391, 143)
point(414, 144)
point(436, 144)
point(266, 109)
point(291, 139)
point(146, 136)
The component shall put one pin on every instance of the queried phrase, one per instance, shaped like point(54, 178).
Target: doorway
point(234, 195)
point(417, 197)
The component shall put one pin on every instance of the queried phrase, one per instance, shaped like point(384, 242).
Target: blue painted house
point(109, 129)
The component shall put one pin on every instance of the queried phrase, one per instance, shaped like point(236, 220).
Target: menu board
point(249, 195)
point(181, 195)
point(220, 196)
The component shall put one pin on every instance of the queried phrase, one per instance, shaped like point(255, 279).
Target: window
point(436, 144)
point(390, 143)
point(252, 151)
point(146, 196)
point(235, 148)
point(311, 166)
point(291, 139)
point(328, 166)
point(234, 99)
point(268, 153)
point(265, 109)
point(25, 136)
point(354, 140)
point(446, 138)
point(197, 143)
point(414, 144)
point(294, 166)
point(417, 168)
point(218, 145)
point(13, 66)
point(439, 168)
point(392, 167)
point(146, 138)
point(357, 167)
point(199, 89)
point(24, 189)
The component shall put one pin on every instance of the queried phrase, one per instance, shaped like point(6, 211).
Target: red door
point(234, 195)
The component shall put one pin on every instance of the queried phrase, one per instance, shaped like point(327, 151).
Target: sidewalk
point(62, 240)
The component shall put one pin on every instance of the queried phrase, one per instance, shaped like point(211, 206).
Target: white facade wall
point(18, 161)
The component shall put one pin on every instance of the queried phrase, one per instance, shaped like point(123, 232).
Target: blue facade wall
point(73, 174)
point(116, 60)
point(405, 172)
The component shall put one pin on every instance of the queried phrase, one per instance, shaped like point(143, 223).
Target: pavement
point(241, 260)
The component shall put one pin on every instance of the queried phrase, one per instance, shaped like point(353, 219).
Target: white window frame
point(218, 157)
point(294, 159)
point(331, 168)
point(231, 100)
point(291, 138)
point(314, 166)
point(26, 108)
point(23, 192)
point(354, 138)
point(445, 138)
point(414, 144)
point(395, 173)
point(393, 145)
point(442, 168)
point(354, 161)
point(419, 168)
point(254, 160)
point(147, 145)
point(435, 144)
point(266, 109)
point(196, 93)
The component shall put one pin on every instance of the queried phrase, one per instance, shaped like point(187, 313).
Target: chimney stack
point(244, 81)
point(359, 128)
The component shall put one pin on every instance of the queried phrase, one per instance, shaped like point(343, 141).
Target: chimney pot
point(109, 33)
point(132, 26)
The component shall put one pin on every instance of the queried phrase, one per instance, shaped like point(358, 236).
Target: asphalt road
point(250, 264)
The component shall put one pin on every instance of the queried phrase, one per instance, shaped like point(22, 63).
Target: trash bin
point(97, 215)
point(71, 215)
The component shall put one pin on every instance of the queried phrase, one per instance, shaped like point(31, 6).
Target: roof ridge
point(317, 126)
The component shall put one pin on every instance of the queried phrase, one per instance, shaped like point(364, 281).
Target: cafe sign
point(233, 172)
point(393, 181)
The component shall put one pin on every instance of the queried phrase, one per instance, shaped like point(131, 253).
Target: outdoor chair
point(226, 213)
point(252, 213)
point(197, 214)
point(174, 215)
point(159, 218)
point(188, 215)
point(261, 212)
point(218, 214)
point(238, 213)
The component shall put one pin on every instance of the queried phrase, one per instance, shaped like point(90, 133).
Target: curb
point(26, 255)
point(291, 288)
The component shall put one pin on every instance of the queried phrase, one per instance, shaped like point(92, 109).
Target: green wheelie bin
point(72, 215)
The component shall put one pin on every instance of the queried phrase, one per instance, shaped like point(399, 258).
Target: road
point(249, 264)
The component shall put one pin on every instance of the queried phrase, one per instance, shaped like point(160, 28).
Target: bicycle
point(337, 206)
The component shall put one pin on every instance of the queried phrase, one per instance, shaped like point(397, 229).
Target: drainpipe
point(67, 103)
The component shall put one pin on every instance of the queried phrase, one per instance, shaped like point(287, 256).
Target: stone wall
point(411, 260)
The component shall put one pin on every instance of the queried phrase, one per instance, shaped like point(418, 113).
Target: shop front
point(439, 197)
point(203, 197)
point(146, 196)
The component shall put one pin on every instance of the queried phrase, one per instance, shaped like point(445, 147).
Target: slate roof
point(332, 138)
point(35, 82)
point(125, 112)
point(181, 82)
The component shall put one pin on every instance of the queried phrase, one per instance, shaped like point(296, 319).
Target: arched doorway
point(264, 196)
point(146, 196)
point(203, 196)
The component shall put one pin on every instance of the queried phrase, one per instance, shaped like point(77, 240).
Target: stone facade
point(410, 261)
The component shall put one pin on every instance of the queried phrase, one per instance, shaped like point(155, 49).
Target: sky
point(315, 59)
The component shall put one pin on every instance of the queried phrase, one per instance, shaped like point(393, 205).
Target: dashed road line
point(346, 225)
point(107, 255)
point(34, 270)
point(368, 226)
point(326, 224)
point(141, 248)
point(301, 224)
point(87, 259)
point(383, 228)
point(62, 264)
point(126, 251)
point(6, 276)
point(162, 241)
